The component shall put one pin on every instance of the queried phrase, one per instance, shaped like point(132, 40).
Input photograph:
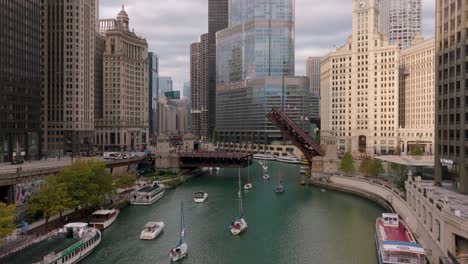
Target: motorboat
point(260, 156)
point(181, 250)
point(148, 194)
point(395, 242)
point(266, 177)
point(248, 186)
point(279, 188)
point(239, 225)
point(102, 219)
point(200, 197)
point(289, 159)
point(152, 230)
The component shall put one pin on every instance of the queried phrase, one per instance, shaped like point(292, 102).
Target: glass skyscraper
point(255, 71)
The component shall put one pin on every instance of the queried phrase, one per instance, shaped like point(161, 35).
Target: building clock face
point(362, 4)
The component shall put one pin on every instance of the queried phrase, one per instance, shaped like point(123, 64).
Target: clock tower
point(365, 19)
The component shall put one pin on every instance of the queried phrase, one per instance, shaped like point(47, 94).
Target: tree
point(126, 181)
point(347, 163)
point(365, 166)
point(7, 217)
point(416, 150)
point(376, 168)
point(51, 199)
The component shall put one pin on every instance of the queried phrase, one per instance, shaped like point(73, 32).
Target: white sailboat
point(248, 185)
point(279, 188)
point(181, 250)
point(265, 171)
point(238, 225)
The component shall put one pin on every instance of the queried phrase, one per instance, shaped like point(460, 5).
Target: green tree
point(365, 166)
point(126, 181)
point(395, 169)
point(416, 150)
point(376, 168)
point(400, 182)
point(7, 216)
point(51, 199)
point(347, 163)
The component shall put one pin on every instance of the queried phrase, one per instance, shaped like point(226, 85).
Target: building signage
point(446, 162)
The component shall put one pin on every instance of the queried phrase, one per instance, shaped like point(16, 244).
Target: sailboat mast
point(182, 222)
point(240, 196)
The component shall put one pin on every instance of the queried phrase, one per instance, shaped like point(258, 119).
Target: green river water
point(303, 225)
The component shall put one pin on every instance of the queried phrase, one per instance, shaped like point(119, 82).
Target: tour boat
point(395, 243)
point(102, 219)
point(238, 225)
point(248, 185)
point(289, 159)
point(260, 156)
point(148, 194)
point(152, 230)
point(200, 197)
point(68, 245)
point(181, 250)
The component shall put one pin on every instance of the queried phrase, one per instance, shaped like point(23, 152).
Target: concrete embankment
point(390, 198)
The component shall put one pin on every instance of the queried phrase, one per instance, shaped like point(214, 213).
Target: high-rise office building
point(451, 140)
point(313, 72)
point(100, 47)
point(255, 71)
point(125, 125)
point(218, 14)
point(188, 123)
point(417, 86)
point(172, 116)
point(187, 90)
point(359, 88)
point(20, 80)
point(68, 78)
point(400, 20)
point(199, 94)
point(165, 85)
point(153, 77)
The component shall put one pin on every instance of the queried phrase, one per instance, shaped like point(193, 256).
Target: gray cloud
point(170, 26)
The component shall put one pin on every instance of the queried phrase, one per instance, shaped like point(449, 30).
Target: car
point(16, 162)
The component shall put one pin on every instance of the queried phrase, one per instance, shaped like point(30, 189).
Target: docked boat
point(200, 197)
point(239, 225)
point(181, 250)
point(148, 194)
point(395, 243)
point(68, 245)
point(152, 230)
point(260, 156)
point(102, 219)
point(289, 159)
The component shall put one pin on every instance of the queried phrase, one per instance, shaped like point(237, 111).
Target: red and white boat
point(395, 243)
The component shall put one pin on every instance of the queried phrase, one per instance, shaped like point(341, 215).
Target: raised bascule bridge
point(295, 134)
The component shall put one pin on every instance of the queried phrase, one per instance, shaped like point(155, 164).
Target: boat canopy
point(103, 212)
point(76, 225)
point(400, 246)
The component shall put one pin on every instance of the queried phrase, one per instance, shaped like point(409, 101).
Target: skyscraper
point(68, 80)
point(400, 20)
point(20, 80)
point(218, 14)
point(187, 90)
point(153, 77)
point(255, 69)
point(125, 125)
point(451, 149)
point(359, 88)
point(313, 72)
point(199, 94)
point(165, 85)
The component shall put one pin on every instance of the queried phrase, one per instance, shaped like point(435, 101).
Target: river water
point(303, 225)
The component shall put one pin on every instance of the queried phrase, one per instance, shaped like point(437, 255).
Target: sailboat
point(248, 185)
point(181, 250)
point(279, 188)
point(265, 171)
point(238, 225)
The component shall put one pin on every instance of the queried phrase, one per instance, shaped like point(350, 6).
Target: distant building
point(20, 80)
point(255, 71)
point(313, 72)
point(417, 87)
point(400, 20)
point(153, 78)
point(359, 88)
point(174, 95)
point(451, 95)
point(125, 125)
point(165, 85)
point(68, 77)
point(172, 116)
point(187, 90)
point(189, 105)
point(199, 94)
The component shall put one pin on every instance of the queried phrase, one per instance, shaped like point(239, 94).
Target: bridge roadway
point(9, 174)
point(214, 159)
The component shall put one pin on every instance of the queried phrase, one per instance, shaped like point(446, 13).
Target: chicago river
point(302, 225)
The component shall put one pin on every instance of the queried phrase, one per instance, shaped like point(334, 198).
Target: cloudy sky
point(171, 25)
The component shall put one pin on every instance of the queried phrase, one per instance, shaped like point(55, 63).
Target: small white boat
point(152, 230)
point(200, 197)
point(248, 186)
point(289, 159)
point(181, 250)
point(323, 190)
point(239, 225)
point(260, 156)
point(102, 219)
point(266, 177)
point(279, 188)
point(214, 168)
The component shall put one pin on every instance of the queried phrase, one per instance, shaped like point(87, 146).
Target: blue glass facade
point(153, 63)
